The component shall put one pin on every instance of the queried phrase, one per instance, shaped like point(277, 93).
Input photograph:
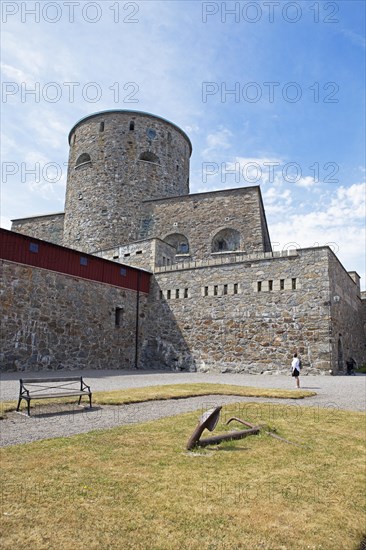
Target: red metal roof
point(23, 249)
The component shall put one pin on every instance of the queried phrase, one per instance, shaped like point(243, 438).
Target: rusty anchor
point(209, 421)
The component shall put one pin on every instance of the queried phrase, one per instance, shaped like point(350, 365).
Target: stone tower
point(117, 160)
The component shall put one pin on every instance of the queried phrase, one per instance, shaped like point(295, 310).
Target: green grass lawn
point(169, 391)
point(136, 487)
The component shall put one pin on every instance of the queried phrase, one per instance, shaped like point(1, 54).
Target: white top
point(295, 364)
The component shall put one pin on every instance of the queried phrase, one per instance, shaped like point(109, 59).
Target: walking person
point(295, 367)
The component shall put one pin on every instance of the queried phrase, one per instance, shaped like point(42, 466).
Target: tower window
point(168, 294)
point(147, 156)
point(206, 291)
point(132, 126)
point(270, 285)
point(235, 288)
point(101, 127)
point(177, 293)
point(186, 292)
point(282, 284)
point(215, 290)
point(225, 290)
point(118, 316)
point(84, 158)
point(160, 294)
point(259, 286)
point(293, 284)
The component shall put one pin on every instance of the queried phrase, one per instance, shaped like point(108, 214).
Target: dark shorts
point(295, 373)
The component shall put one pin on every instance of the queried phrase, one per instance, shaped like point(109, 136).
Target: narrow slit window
point(186, 292)
point(132, 126)
point(235, 288)
point(270, 285)
point(164, 260)
point(225, 290)
point(177, 293)
point(101, 127)
point(259, 286)
point(215, 290)
point(282, 284)
point(169, 294)
point(126, 255)
point(160, 294)
point(138, 251)
point(206, 291)
point(293, 284)
point(118, 316)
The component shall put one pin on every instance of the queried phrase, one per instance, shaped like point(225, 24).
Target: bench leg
point(90, 400)
point(19, 401)
point(28, 403)
point(80, 399)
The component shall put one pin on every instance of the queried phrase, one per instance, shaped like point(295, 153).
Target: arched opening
point(226, 240)
point(147, 156)
point(84, 158)
point(179, 242)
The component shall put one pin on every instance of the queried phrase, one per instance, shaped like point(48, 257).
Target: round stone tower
point(117, 160)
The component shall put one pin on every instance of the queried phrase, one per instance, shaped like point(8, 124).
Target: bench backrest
point(41, 380)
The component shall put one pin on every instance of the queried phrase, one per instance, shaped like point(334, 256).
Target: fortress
point(138, 273)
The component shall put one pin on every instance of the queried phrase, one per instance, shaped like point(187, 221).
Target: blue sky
point(272, 94)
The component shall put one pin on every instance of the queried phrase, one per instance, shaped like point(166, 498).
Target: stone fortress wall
point(221, 299)
point(53, 321)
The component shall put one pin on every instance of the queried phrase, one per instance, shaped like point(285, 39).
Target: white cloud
point(217, 141)
point(306, 182)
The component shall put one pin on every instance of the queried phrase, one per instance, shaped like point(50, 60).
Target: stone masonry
point(221, 299)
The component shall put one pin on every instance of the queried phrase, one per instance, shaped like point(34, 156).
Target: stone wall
point(346, 310)
point(243, 317)
point(142, 254)
point(233, 217)
point(49, 227)
point(53, 321)
point(117, 160)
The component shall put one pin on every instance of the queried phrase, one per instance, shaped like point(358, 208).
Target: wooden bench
point(49, 388)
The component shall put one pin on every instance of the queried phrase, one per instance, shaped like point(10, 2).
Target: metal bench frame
point(39, 388)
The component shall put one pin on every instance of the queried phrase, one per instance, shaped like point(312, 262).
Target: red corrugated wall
point(16, 247)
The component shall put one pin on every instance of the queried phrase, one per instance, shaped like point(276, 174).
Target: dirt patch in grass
point(136, 487)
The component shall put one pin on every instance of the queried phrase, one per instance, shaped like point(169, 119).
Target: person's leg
point(297, 381)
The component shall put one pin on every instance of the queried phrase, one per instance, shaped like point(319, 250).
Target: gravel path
point(346, 392)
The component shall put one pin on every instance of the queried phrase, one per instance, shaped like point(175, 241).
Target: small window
point(164, 260)
point(126, 255)
point(177, 293)
point(225, 290)
point(270, 285)
point(168, 261)
point(160, 294)
point(147, 156)
point(84, 158)
point(259, 286)
point(34, 247)
point(235, 288)
point(138, 251)
point(293, 284)
point(168, 294)
point(83, 260)
point(186, 292)
point(123, 271)
point(73, 139)
point(206, 291)
point(215, 290)
point(282, 284)
point(132, 126)
point(115, 256)
point(118, 316)
point(101, 127)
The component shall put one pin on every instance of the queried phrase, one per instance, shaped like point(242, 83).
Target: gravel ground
point(342, 392)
